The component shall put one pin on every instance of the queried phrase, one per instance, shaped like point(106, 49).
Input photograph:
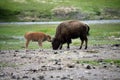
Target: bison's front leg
point(68, 46)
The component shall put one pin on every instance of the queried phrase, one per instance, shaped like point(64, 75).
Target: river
point(57, 22)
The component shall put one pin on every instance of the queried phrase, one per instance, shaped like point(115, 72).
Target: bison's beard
point(55, 44)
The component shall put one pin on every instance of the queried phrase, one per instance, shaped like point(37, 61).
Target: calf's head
point(55, 43)
point(49, 38)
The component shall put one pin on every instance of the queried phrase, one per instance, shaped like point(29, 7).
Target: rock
point(64, 78)
point(77, 62)
point(59, 68)
point(2, 74)
point(55, 52)
point(115, 45)
point(70, 65)
point(57, 76)
point(94, 67)
point(33, 70)
point(2, 52)
point(51, 76)
point(25, 77)
point(117, 66)
point(14, 77)
point(41, 77)
point(16, 51)
point(88, 67)
point(100, 60)
point(104, 66)
point(33, 79)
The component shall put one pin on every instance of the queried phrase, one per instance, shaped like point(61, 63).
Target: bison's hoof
point(80, 47)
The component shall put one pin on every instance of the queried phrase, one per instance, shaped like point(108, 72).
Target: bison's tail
point(88, 29)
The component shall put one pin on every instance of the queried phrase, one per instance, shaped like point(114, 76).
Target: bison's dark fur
point(69, 30)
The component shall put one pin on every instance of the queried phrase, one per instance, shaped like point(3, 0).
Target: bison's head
point(55, 43)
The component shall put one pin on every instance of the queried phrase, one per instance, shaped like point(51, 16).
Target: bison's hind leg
point(86, 41)
point(82, 41)
point(84, 38)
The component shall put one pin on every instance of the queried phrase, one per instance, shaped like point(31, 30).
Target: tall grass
point(12, 36)
point(11, 9)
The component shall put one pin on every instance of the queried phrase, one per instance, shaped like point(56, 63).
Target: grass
point(12, 36)
point(6, 64)
point(11, 9)
point(93, 62)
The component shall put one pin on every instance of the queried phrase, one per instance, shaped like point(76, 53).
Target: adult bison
point(70, 30)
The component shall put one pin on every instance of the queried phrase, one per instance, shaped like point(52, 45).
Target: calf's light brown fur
point(37, 37)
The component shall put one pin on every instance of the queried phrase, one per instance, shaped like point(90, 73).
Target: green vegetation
point(6, 64)
point(94, 62)
point(12, 36)
point(43, 10)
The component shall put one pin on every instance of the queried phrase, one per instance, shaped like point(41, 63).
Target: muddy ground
point(48, 64)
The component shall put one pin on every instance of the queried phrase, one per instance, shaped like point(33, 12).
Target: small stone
point(94, 67)
point(59, 68)
point(33, 79)
point(57, 76)
point(64, 78)
point(77, 62)
point(25, 76)
point(118, 66)
point(16, 51)
point(55, 52)
point(71, 65)
point(100, 60)
point(14, 77)
point(51, 76)
point(88, 67)
point(104, 66)
point(41, 77)
point(2, 74)
point(2, 52)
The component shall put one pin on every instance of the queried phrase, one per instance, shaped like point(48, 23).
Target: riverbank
point(73, 64)
point(58, 22)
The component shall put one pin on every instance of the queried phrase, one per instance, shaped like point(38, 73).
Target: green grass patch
point(102, 34)
point(12, 36)
point(94, 62)
point(5, 64)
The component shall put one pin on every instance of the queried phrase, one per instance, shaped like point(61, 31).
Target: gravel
point(48, 64)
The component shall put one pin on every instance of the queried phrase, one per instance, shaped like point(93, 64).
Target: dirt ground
point(48, 64)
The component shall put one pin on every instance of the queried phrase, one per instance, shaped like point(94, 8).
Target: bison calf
point(36, 36)
point(69, 30)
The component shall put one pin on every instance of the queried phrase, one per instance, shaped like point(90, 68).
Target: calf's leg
point(40, 43)
point(27, 43)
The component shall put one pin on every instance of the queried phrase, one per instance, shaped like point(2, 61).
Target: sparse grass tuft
point(94, 62)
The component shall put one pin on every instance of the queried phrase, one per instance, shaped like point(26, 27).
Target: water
point(58, 22)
